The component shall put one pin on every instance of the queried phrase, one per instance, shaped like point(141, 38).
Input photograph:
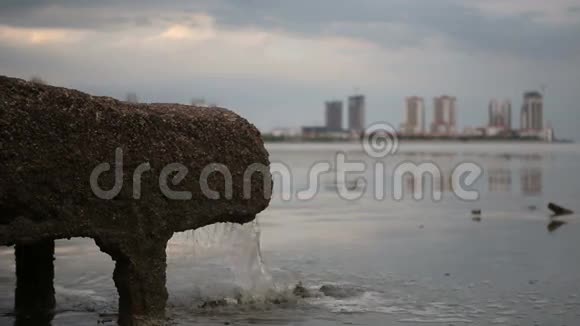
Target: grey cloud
point(466, 28)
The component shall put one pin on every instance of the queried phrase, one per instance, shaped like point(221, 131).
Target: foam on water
point(363, 302)
point(227, 266)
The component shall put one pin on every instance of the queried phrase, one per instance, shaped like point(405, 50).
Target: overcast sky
point(277, 61)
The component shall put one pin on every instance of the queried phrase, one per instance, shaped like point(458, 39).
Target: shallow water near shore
point(367, 261)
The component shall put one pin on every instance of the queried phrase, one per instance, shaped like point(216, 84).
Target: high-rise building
point(356, 113)
point(444, 122)
point(495, 117)
point(415, 123)
point(532, 116)
point(506, 109)
point(334, 115)
point(132, 97)
point(500, 114)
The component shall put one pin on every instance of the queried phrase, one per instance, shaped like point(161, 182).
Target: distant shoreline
point(297, 140)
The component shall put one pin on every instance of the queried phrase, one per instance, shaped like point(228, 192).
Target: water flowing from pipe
point(222, 260)
point(239, 247)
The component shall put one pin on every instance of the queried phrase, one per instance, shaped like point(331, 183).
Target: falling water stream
point(226, 267)
point(239, 247)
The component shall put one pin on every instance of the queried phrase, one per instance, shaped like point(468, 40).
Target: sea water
point(367, 261)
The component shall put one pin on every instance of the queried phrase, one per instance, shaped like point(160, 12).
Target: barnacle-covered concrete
point(51, 141)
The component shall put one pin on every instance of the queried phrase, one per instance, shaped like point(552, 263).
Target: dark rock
point(52, 139)
point(212, 304)
point(300, 291)
point(104, 321)
point(340, 292)
point(558, 210)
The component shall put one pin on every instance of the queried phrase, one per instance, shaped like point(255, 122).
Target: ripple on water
point(364, 302)
point(436, 321)
point(500, 320)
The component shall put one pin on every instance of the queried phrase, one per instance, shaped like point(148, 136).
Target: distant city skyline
point(415, 123)
point(356, 113)
point(333, 126)
point(334, 115)
point(445, 115)
point(274, 64)
point(532, 115)
point(443, 124)
point(500, 114)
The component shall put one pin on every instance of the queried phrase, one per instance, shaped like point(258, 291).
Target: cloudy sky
point(277, 61)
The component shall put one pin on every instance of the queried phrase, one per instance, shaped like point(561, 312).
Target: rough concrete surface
point(51, 139)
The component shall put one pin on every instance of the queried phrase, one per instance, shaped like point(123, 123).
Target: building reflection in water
point(410, 184)
point(500, 180)
point(531, 181)
point(428, 184)
point(443, 184)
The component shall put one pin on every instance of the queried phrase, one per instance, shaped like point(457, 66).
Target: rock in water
point(340, 292)
point(301, 292)
point(212, 304)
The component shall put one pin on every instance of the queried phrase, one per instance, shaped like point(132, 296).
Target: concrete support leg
point(140, 279)
point(35, 275)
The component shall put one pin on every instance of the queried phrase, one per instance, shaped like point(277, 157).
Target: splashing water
point(240, 249)
point(226, 269)
point(228, 259)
